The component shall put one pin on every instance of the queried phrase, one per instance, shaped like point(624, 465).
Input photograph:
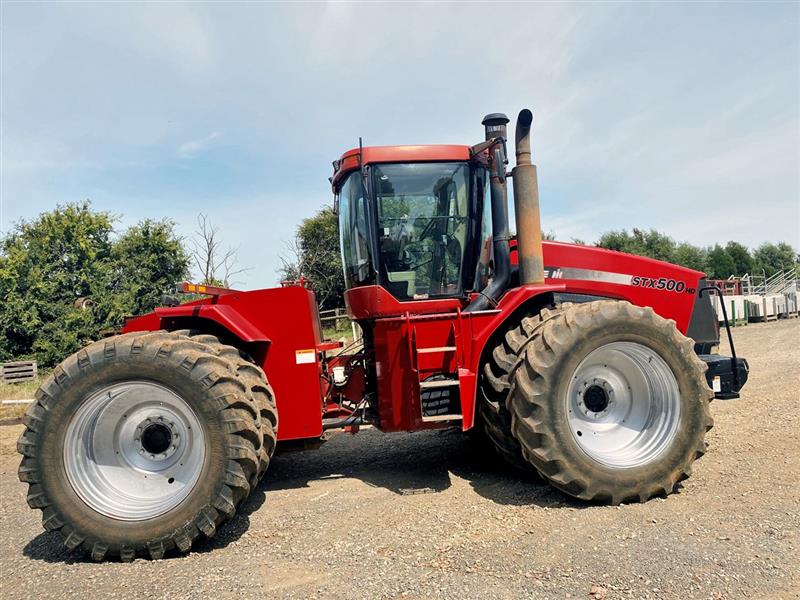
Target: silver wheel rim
point(134, 450)
point(623, 405)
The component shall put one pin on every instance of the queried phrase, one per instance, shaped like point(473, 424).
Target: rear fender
point(525, 300)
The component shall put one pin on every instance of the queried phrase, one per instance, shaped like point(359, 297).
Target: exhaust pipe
point(495, 127)
point(526, 205)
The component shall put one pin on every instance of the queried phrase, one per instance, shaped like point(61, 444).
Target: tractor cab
point(414, 220)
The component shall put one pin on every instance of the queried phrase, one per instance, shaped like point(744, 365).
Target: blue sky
point(683, 117)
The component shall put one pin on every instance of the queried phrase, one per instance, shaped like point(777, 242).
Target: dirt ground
point(426, 515)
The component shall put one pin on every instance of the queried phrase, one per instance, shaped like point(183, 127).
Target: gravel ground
point(426, 515)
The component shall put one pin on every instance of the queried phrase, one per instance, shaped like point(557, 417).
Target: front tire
point(609, 402)
point(139, 443)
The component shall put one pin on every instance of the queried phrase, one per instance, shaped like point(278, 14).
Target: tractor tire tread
point(531, 396)
point(496, 384)
point(261, 396)
point(210, 365)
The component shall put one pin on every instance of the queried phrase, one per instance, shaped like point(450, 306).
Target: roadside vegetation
point(71, 274)
point(718, 262)
point(16, 391)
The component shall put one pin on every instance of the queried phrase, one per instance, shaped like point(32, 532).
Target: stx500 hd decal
point(662, 283)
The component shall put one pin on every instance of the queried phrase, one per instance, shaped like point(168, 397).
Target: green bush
point(72, 253)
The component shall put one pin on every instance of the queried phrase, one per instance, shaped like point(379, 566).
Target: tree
point(770, 258)
point(215, 264)
point(48, 265)
point(314, 254)
point(642, 243)
point(146, 262)
point(656, 245)
point(690, 256)
point(620, 241)
point(719, 264)
point(740, 255)
point(45, 265)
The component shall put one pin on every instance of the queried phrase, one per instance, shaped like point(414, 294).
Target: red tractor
point(593, 368)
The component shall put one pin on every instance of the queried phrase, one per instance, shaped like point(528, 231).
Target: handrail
point(777, 283)
point(734, 362)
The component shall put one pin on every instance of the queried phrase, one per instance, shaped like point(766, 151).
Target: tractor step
point(440, 418)
point(439, 398)
point(438, 383)
point(440, 349)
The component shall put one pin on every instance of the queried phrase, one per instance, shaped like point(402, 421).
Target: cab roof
point(396, 154)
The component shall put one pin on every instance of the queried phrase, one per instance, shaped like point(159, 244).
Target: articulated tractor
point(592, 368)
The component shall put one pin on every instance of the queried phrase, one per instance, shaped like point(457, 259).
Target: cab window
point(354, 231)
point(422, 214)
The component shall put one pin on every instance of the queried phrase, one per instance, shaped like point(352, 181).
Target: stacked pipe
point(526, 205)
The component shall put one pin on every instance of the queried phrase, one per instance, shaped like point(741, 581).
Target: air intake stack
point(496, 132)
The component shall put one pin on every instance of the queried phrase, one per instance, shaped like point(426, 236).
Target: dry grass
point(16, 391)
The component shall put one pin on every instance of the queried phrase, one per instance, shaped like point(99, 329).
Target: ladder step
point(436, 350)
point(435, 418)
point(438, 383)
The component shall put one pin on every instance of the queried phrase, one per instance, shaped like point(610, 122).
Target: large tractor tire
point(609, 402)
point(495, 418)
point(139, 443)
point(256, 381)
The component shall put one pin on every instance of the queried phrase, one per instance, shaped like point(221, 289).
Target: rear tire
point(588, 371)
point(92, 412)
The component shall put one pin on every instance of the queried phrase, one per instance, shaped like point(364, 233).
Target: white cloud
point(193, 147)
point(682, 119)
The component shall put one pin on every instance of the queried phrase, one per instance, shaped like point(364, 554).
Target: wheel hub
point(623, 405)
point(156, 439)
point(134, 450)
point(596, 398)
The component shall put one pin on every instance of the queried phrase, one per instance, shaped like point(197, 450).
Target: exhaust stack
point(526, 205)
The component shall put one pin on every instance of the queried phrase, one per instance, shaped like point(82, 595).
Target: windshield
point(422, 213)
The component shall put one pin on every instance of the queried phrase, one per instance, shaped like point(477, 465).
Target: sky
point(684, 117)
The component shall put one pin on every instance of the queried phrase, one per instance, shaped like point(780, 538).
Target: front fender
point(225, 316)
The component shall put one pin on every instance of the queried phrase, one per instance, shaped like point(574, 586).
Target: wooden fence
point(336, 317)
point(17, 372)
